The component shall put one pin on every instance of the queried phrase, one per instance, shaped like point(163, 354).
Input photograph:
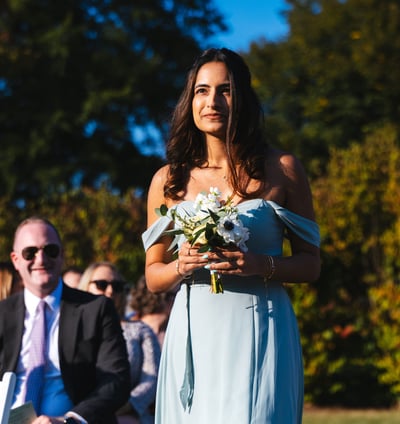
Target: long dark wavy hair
point(245, 145)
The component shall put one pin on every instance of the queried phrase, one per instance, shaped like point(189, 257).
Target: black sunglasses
point(117, 285)
point(51, 250)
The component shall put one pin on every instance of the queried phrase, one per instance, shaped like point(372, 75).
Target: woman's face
point(105, 281)
point(212, 99)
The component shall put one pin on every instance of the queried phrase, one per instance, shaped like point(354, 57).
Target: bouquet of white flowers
point(214, 224)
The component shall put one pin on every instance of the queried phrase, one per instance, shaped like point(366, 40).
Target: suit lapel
point(69, 322)
point(13, 331)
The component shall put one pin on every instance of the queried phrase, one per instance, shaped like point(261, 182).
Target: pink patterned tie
point(37, 358)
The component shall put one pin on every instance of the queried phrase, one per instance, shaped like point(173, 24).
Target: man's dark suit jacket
point(93, 357)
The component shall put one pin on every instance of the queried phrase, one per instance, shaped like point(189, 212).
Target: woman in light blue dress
point(232, 357)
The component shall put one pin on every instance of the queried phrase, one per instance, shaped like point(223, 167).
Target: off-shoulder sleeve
point(305, 228)
point(154, 232)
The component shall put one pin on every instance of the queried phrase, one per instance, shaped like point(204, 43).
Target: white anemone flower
point(232, 231)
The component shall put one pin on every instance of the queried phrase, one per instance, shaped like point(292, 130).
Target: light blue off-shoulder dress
point(234, 357)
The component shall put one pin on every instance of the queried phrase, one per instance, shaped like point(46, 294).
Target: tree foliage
point(345, 323)
point(385, 323)
point(77, 76)
point(94, 225)
point(331, 80)
point(330, 96)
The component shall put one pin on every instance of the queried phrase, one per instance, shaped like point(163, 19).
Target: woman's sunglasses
point(117, 285)
point(51, 250)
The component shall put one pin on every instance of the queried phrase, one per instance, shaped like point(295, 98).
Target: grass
point(343, 416)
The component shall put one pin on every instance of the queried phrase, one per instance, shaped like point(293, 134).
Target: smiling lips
point(214, 116)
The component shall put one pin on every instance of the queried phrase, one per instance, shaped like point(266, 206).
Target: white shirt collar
point(53, 300)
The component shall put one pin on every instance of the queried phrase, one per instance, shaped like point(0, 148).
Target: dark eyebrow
point(224, 85)
point(201, 85)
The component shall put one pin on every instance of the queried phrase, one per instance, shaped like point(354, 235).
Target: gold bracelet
point(272, 268)
point(177, 269)
point(185, 277)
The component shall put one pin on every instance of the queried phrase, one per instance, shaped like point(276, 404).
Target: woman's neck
point(216, 155)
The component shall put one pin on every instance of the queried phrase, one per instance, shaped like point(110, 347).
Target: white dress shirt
point(55, 400)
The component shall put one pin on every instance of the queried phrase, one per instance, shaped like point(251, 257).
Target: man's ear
point(14, 259)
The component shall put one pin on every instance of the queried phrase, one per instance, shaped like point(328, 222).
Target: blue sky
point(249, 20)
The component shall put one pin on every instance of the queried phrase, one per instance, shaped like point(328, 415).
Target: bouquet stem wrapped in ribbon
point(215, 223)
point(216, 282)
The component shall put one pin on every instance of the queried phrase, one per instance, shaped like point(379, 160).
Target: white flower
point(233, 231)
point(207, 202)
point(215, 223)
point(214, 195)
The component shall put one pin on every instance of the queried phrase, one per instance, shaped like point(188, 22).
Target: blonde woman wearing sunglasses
point(103, 278)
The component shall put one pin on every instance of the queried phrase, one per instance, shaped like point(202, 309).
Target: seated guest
point(10, 280)
point(103, 278)
point(65, 346)
point(151, 308)
point(71, 276)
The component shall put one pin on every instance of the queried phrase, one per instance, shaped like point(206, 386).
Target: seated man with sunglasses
point(86, 370)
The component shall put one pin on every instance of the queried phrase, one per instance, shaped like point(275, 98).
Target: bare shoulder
point(160, 176)
point(287, 163)
point(287, 171)
point(156, 192)
point(158, 182)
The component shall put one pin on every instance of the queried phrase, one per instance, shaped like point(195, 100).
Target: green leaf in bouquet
point(204, 248)
point(214, 216)
point(173, 232)
point(196, 235)
point(210, 231)
point(162, 210)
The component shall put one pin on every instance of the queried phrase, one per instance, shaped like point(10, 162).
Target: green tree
point(385, 319)
point(331, 80)
point(344, 321)
point(77, 75)
point(94, 225)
